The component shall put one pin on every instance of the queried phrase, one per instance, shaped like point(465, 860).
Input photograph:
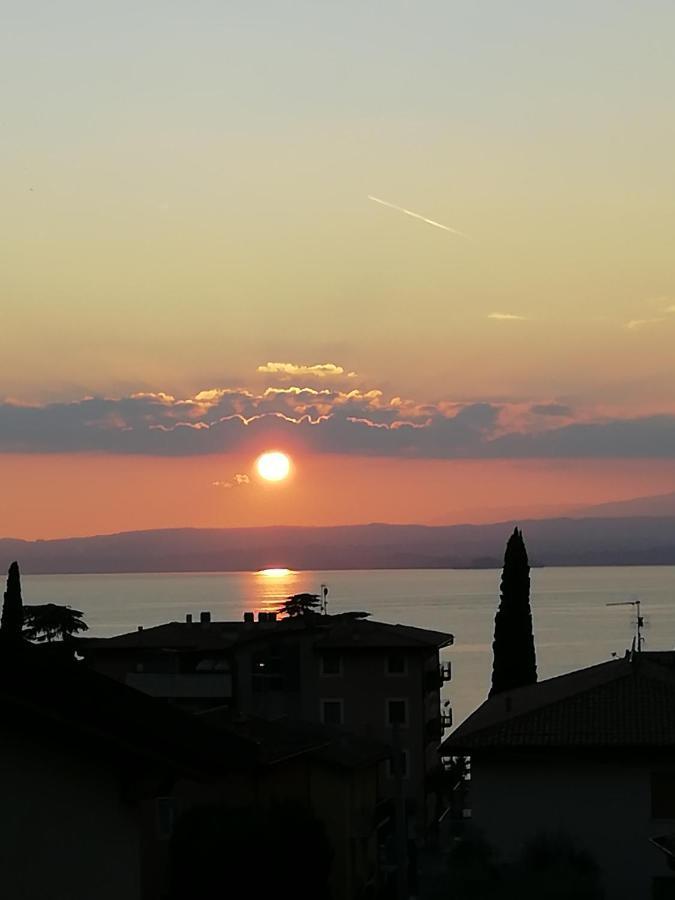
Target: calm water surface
point(573, 625)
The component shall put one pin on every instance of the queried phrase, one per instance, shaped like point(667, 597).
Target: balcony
point(446, 672)
point(446, 719)
point(182, 685)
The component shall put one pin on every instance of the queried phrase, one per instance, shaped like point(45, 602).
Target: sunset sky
point(193, 269)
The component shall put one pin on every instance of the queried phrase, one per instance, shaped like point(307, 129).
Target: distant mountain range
point(660, 505)
point(588, 541)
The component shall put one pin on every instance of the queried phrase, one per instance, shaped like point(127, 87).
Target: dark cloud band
point(322, 421)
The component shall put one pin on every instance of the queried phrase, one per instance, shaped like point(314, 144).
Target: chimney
point(262, 616)
point(188, 618)
point(205, 618)
point(140, 628)
point(249, 618)
point(271, 617)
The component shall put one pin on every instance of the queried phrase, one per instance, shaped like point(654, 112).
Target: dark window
point(403, 757)
point(331, 712)
point(663, 888)
point(663, 795)
point(165, 809)
point(397, 712)
point(396, 664)
point(331, 663)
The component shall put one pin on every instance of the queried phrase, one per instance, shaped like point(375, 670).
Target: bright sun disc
point(273, 466)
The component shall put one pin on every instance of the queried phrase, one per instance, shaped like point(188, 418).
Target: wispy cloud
point(238, 480)
point(642, 323)
point(409, 212)
point(294, 370)
point(507, 317)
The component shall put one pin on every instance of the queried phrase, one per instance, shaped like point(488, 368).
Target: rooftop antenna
point(324, 599)
point(638, 640)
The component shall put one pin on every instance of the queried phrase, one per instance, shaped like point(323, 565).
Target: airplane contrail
point(415, 215)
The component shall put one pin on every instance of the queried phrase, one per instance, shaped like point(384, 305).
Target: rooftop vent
point(188, 618)
point(249, 617)
point(205, 618)
point(140, 628)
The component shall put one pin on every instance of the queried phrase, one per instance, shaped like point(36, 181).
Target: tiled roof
point(624, 703)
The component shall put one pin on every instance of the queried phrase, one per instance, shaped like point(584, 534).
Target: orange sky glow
point(67, 495)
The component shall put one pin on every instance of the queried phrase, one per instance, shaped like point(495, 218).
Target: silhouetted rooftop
point(344, 631)
point(70, 701)
point(623, 703)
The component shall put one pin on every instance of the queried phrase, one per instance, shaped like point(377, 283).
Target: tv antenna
point(638, 640)
point(324, 599)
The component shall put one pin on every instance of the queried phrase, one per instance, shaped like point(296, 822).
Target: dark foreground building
point(376, 680)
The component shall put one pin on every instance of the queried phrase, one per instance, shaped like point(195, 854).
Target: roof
point(171, 635)
point(69, 702)
point(282, 739)
point(625, 703)
point(344, 631)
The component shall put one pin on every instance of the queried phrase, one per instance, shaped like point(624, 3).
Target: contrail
point(415, 215)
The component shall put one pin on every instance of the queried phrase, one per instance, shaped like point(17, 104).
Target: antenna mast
point(638, 640)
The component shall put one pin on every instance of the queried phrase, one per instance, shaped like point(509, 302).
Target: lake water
point(573, 625)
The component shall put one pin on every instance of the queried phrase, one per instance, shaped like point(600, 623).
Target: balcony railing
point(182, 685)
point(446, 719)
point(446, 672)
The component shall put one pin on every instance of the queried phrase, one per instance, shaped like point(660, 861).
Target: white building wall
point(604, 807)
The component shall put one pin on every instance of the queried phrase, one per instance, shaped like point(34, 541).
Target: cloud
point(236, 482)
point(507, 317)
point(551, 409)
point(293, 370)
point(641, 323)
point(325, 420)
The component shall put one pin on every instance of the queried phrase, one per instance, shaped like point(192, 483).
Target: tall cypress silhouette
point(514, 661)
point(11, 623)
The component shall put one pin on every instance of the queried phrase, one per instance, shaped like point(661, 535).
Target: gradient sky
point(185, 199)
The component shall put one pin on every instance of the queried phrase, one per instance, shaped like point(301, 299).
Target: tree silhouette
point(301, 605)
point(514, 660)
point(51, 622)
point(12, 608)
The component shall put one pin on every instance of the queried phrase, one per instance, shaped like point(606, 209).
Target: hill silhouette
point(551, 542)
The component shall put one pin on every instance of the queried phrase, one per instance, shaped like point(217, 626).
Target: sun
point(273, 465)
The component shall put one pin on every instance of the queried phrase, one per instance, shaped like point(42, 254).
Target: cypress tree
point(11, 623)
point(514, 660)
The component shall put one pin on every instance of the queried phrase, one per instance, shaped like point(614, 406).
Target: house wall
point(605, 807)
point(66, 831)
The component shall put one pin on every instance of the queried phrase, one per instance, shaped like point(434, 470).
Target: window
point(165, 817)
point(663, 888)
point(331, 712)
point(663, 795)
point(396, 664)
point(403, 757)
point(397, 712)
point(331, 663)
